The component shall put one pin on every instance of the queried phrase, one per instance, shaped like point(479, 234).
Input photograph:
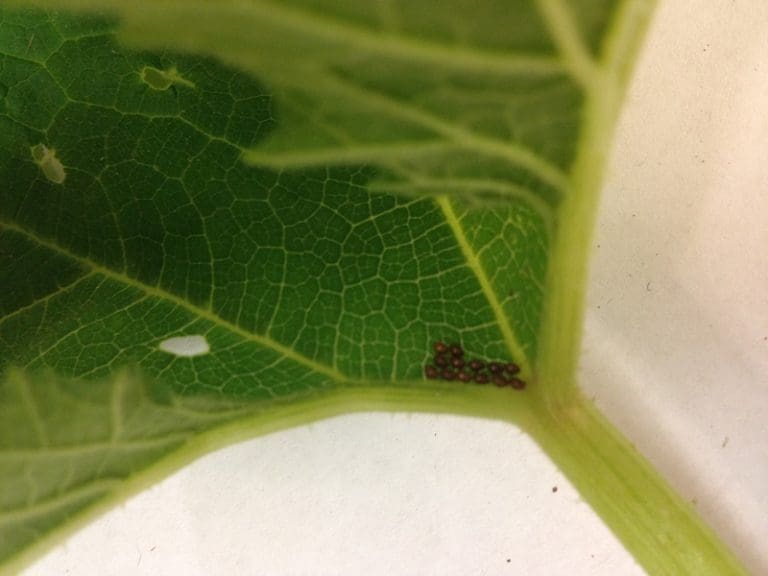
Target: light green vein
point(565, 33)
point(337, 88)
point(110, 447)
point(359, 154)
point(182, 408)
point(88, 492)
point(30, 406)
point(398, 46)
point(467, 186)
point(622, 41)
point(116, 409)
point(473, 261)
point(159, 293)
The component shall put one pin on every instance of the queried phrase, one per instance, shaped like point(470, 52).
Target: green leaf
point(66, 445)
point(285, 231)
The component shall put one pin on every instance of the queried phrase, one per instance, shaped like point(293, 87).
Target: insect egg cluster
point(450, 364)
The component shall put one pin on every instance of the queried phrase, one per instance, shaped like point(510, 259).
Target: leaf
point(294, 242)
point(299, 280)
point(66, 445)
point(343, 285)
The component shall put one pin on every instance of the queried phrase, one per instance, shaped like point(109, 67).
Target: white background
point(676, 353)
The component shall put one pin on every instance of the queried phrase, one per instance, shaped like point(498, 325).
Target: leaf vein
point(159, 293)
point(503, 323)
point(357, 38)
point(578, 61)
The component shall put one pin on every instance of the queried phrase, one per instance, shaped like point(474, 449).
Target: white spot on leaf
point(186, 346)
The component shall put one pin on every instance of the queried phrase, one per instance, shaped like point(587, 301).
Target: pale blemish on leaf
point(187, 346)
point(163, 79)
point(51, 166)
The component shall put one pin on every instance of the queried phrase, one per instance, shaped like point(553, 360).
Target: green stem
point(560, 339)
point(662, 531)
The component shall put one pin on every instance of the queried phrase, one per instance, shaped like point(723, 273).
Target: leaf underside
point(341, 188)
